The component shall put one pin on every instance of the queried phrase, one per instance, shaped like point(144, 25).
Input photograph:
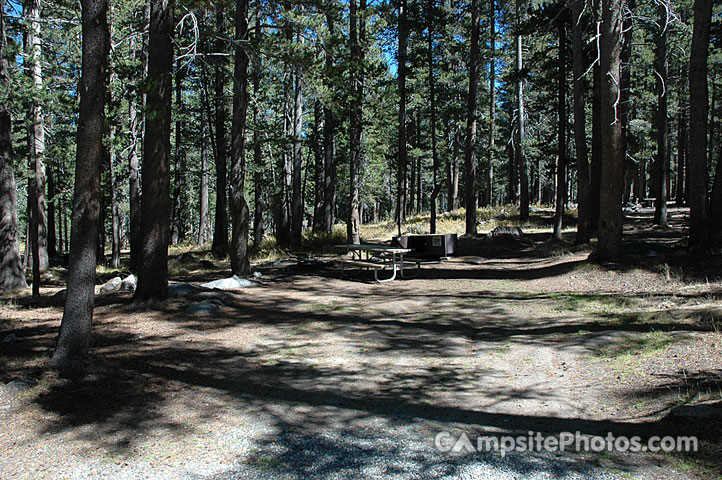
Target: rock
point(187, 258)
point(112, 285)
point(230, 283)
point(182, 271)
point(506, 233)
point(257, 275)
point(129, 283)
point(17, 386)
point(206, 306)
point(9, 339)
point(60, 295)
point(206, 265)
point(180, 289)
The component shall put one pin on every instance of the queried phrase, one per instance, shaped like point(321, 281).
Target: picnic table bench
point(379, 258)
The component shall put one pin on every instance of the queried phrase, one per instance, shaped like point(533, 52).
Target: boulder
point(230, 283)
point(206, 265)
point(506, 233)
point(112, 285)
point(180, 289)
point(9, 339)
point(16, 387)
point(129, 283)
point(206, 306)
point(187, 258)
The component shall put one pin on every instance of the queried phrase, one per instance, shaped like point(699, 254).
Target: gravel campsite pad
point(311, 374)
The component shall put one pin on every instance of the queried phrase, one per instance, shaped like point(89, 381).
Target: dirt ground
point(507, 337)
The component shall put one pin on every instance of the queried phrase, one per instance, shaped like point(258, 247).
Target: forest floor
point(312, 374)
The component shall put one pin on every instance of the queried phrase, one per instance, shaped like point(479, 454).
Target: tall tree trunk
point(52, 232)
point(356, 33)
point(412, 139)
point(715, 215)
point(12, 274)
point(74, 335)
point(219, 247)
point(317, 148)
point(403, 152)
point(155, 199)
point(698, 115)
point(662, 160)
point(257, 157)
point(681, 148)
point(114, 207)
point(596, 165)
point(489, 200)
point(111, 159)
point(521, 131)
point(562, 131)
point(239, 208)
point(471, 113)
point(454, 165)
point(329, 138)
point(203, 191)
point(610, 212)
point(436, 183)
point(625, 92)
point(179, 188)
point(580, 135)
point(134, 234)
point(36, 148)
point(297, 204)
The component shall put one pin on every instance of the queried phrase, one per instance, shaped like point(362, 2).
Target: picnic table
point(379, 257)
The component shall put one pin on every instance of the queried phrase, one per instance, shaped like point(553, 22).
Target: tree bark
point(596, 164)
point(715, 215)
point(471, 113)
point(356, 33)
point(562, 131)
point(698, 115)
point(114, 207)
point(432, 100)
point(74, 336)
point(203, 191)
point(662, 160)
point(257, 157)
point(179, 187)
point(239, 208)
point(219, 247)
point(329, 139)
point(521, 131)
point(297, 204)
point(135, 236)
point(625, 92)
point(580, 135)
point(317, 147)
point(155, 199)
point(402, 147)
point(489, 199)
point(610, 213)
point(681, 149)
point(52, 231)
point(12, 274)
point(36, 144)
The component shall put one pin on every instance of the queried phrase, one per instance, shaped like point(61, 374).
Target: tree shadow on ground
point(316, 402)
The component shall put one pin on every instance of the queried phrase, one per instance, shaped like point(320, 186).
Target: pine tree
point(12, 275)
point(155, 199)
point(75, 325)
